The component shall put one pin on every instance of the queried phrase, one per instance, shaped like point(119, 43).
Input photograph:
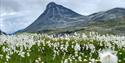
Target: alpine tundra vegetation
point(61, 35)
point(75, 48)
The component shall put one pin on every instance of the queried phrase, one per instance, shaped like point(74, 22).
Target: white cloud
point(17, 14)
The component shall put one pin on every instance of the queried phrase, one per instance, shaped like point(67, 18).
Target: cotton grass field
point(75, 48)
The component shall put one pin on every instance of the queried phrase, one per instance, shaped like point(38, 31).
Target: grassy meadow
point(66, 48)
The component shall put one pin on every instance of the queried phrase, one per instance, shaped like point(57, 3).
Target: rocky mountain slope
point(111, 21)
point(58, 19)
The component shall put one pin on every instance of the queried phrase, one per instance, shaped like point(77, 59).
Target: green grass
point(42, 52)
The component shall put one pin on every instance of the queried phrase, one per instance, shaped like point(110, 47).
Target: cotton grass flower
point(81, 47)
point(77, 47)
point(66, 61)
point(22, 54)
point(108, 57)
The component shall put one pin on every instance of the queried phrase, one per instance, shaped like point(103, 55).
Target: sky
point(18, 14)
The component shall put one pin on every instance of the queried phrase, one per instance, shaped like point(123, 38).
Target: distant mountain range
point(1, 32)
point(59, 19)
point(107, 15)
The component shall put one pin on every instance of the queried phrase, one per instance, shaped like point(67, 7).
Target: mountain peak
point(56, 10)
point(51, 4)
point(55, 16)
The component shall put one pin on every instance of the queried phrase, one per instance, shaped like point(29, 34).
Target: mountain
point(1, 32)
point(114, 13)
point(59, 19)
point(56, 17)
point(111, 21)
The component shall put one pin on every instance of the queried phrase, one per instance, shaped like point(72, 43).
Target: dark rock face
point(56, 10)
point(58, 18)
point(55, 16)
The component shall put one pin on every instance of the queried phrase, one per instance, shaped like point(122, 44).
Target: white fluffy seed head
point(77, 47)
point(108, 57)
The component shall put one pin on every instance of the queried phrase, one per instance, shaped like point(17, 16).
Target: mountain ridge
point(107, 15)
point(57, 18)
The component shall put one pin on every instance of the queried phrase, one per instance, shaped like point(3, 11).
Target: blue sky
point(18, 14)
